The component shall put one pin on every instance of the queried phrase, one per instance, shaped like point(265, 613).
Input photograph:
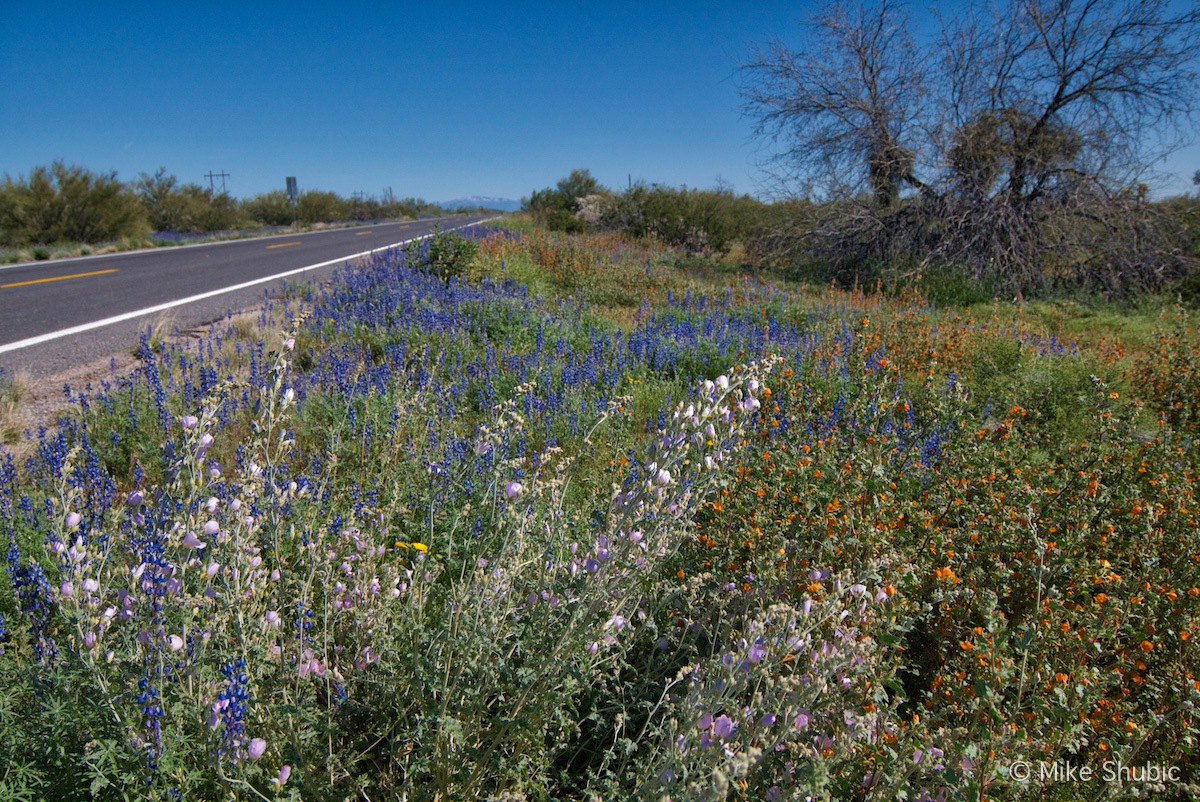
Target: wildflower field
point(536, 516)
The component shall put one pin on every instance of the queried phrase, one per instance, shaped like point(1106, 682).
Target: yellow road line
point(283, 245)
point(360, 233)
point(55, 278)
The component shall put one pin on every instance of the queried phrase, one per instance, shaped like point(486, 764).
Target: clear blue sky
point(435, 100)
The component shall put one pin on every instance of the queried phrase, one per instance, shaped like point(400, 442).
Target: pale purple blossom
point(723, 727)
point(256, 748)
point(617, 622)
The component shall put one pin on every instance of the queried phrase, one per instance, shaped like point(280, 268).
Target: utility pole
point(221, 175)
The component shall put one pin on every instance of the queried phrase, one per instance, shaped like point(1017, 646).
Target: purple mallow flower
point(723, 726)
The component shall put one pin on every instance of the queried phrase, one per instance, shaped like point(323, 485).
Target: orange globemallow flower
point(945, 573)
point(1147, 646)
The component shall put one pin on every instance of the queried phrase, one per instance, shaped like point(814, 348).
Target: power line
point(211, 176)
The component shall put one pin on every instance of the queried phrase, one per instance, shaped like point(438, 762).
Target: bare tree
point(1054, 122)
point(1075, 87)
point(1036, 120)
point(841, 106)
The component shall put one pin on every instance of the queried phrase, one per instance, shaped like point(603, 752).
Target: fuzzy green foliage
point(447, 254)
point(187, 208)
point(557, 207)
point(269, 208)
point(64, 203)
point(697, 221)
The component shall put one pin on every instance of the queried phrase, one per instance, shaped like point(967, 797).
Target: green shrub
point(186, 209)
point(556, 207)
point(447, 254)
point(269, 209)
point(321, 207)
point(67, 204)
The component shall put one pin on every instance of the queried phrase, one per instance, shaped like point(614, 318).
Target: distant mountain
point(500, 204)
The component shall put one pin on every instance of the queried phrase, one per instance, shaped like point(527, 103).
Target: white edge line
point(108, 321)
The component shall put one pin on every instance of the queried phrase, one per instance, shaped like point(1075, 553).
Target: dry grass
point(14, 419)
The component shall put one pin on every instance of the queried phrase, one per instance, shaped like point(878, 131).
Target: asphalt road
point(55, 316)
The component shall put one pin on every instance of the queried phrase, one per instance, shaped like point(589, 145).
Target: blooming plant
point(424, 533)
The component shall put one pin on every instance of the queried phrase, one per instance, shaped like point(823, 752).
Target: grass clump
point(14, 392)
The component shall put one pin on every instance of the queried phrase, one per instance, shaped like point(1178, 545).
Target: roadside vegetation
point(883, 491)
point(68, 210)
point(546, 515)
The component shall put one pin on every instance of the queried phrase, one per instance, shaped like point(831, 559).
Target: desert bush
point(447, 254)
point(187, 208)
point(557, 207)
point(64, 203)
point(269, 208)
point(321, 207)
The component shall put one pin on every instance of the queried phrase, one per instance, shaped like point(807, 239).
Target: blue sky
point(434, 100)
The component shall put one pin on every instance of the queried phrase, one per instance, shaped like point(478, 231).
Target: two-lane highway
point(60, 314)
